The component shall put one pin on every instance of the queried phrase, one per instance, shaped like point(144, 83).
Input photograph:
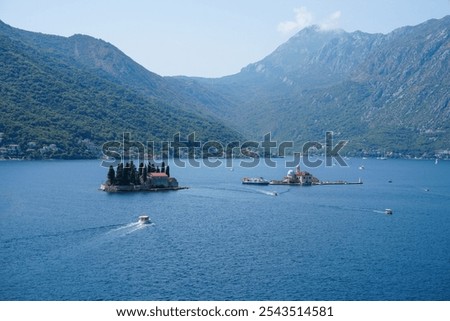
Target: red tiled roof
point(158, 174)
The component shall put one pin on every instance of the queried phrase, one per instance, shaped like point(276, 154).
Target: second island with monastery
point(297, 177)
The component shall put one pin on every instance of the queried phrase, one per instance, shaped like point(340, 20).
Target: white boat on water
point(388, 211)
point(144, 219)
point(255, 181)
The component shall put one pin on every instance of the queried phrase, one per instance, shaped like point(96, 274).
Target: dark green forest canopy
point(48, 99)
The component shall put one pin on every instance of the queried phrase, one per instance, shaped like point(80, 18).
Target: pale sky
point(209, 38)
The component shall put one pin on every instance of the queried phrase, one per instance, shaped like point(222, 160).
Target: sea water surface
point(63, 239)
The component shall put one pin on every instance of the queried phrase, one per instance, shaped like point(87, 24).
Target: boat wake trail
point(285, 191)
point(64, 234)
point(123, 227)
point(270, 193)
point(113, 234)
point(128, 229)
point(243, 189)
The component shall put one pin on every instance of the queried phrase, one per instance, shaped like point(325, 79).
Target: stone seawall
point(138, 188)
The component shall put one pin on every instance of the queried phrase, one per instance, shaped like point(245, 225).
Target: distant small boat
point(436, 161)
point(144, 219)
point(361, 167)
point(382, 157)
point(255, 181)
point(388, 211)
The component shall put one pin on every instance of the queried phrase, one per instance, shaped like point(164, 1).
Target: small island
point(146, 178)
point(303, 178)
point(297, 177)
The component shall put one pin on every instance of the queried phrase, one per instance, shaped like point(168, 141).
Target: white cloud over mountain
point(304, 18)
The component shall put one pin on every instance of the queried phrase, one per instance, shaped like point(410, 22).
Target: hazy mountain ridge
point(379, 91)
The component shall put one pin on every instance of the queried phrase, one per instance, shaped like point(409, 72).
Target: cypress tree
point(167, 170)
point(126, 174)
point(111, 175)
point(144, 174)
point(133, 173)
point(119, 174)
point(141, 169)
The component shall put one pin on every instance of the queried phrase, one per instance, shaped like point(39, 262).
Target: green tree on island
point(119, 174)
point(144, 174)
point(141, 169)
point(126, 174)
point(111, 175)
point(133, 177)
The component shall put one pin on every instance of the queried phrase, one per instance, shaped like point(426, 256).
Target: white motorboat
point(144, 219)
point(388, 211)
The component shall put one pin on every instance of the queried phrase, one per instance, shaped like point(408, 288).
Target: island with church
point(147, 177)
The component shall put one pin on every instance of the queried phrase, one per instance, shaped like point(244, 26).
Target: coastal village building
point(297, 177)
point(161, 180)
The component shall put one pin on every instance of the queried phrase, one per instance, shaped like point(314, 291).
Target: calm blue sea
point(62, 239)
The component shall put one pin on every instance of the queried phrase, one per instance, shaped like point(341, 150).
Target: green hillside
point(53, 106)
